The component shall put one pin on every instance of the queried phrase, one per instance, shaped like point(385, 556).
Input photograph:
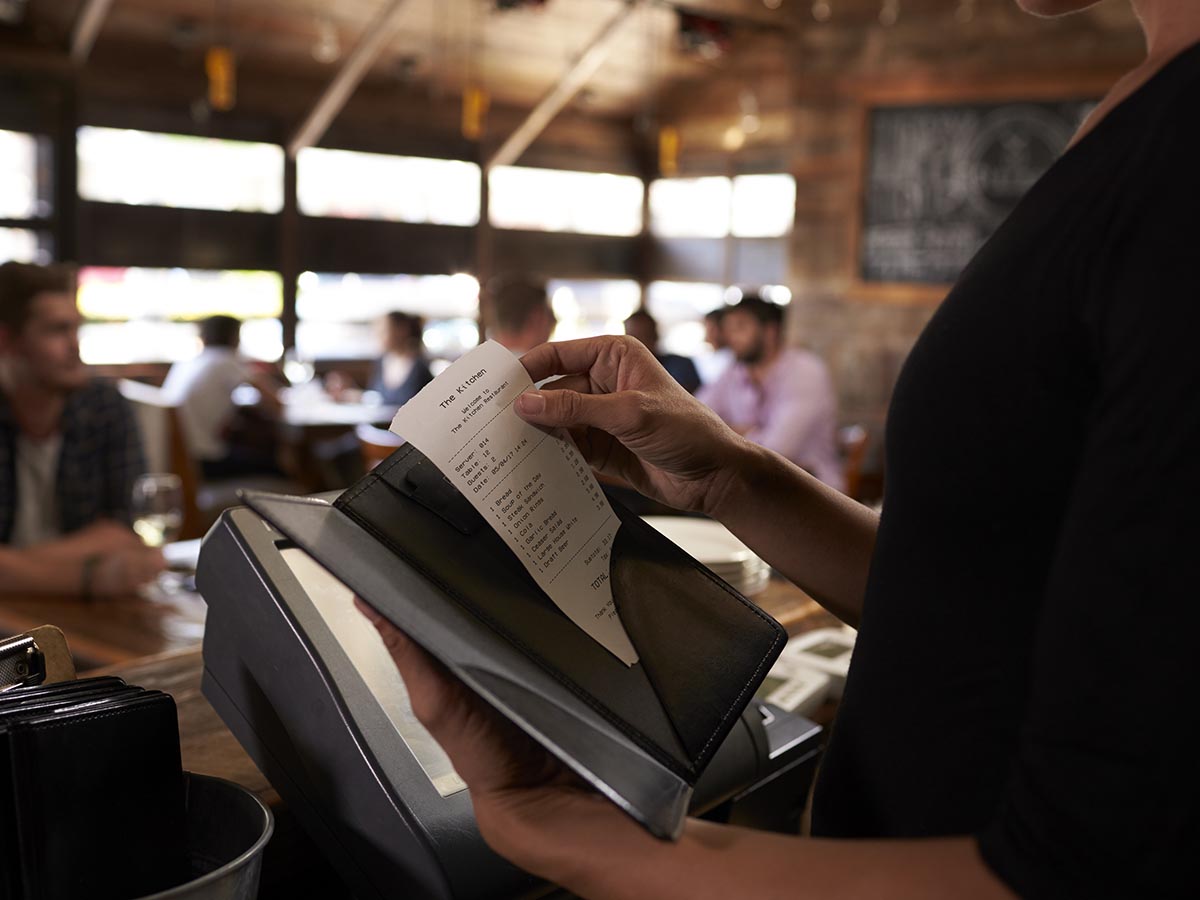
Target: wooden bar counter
point(154, 641)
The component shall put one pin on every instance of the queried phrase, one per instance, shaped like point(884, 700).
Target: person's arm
point(532, 811)
point(101, 536)
point(632, 420)
point(269, 400)
point(105, 559)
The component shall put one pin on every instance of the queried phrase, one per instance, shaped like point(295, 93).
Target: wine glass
point(157, 508)
point(158, 517)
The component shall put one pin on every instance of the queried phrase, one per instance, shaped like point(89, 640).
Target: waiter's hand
point(631, 419)
point(529, 807)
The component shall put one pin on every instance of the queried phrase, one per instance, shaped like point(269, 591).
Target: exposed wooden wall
point(817, 129)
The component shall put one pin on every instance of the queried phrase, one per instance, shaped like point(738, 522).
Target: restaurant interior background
point(306, 166)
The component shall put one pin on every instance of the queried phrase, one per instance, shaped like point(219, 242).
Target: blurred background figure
point(782, 398)
point(398, 376)
point(227, 440)
point(69, 451)
point(641, 325)
point(712, 364)
point(402, 369)
point(519, 311)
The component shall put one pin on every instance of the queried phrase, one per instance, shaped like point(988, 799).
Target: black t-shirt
point(1028, 666)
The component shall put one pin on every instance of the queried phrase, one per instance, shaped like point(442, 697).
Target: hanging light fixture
point(748, 103)
point(220, 66)
point(668, 151)
point(733, 139)
point(221, 69)
point(327, 47)
point(475, 104)
point(822, 10)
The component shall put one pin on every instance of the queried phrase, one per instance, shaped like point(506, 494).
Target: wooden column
point(66, 174)
point(484, 249)
point(289, 251)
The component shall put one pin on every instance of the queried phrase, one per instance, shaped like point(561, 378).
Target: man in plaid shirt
point(69, 451)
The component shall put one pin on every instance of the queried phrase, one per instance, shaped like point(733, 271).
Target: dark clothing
point(1027, 669)
point(682, 369)
point(418, 376)
point(101, 457)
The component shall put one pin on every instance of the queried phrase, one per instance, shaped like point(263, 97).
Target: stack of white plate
point(714, 545)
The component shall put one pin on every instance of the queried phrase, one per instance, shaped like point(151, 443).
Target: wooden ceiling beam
point(87, 28)
point(356, 66)
point(570, 84)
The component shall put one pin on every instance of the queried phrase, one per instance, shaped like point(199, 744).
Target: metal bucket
point(228, 829)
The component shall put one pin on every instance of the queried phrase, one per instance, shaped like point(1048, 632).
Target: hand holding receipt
point(532, 486)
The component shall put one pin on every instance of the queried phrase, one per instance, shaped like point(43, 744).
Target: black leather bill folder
point(91, 792)
point(407, 542)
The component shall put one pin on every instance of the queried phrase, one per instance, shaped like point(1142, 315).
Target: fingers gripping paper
point(533, 487)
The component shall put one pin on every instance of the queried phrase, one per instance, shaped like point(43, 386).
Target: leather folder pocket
point(702, 647)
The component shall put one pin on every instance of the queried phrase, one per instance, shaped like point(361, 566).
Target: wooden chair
point(376, 444)
point(165, 447)
point(852, 441)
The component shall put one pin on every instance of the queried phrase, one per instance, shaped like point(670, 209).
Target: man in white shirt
point(778, 397)
point(202, 389)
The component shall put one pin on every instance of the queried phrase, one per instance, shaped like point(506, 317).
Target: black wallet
point(405, 540)
point(91, 791)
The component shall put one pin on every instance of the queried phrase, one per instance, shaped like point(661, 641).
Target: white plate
point(709, 542)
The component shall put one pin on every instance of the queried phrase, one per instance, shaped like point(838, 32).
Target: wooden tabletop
point(327, 413)
point(113, 630)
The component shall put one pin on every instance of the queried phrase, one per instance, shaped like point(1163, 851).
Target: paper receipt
point(533, 487)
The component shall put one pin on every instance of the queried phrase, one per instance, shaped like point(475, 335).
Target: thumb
point(571, 409)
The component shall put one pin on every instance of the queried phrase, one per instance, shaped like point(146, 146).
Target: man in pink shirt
point(781, 398)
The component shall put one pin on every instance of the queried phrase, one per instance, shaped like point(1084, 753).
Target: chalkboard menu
point(940, 179)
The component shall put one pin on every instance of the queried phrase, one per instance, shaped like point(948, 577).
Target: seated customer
point(69, 451)
point(202, 388)
point(780, 398)
point(402, 369)
point(519, 313)
point(712, 363)
point(641, 325)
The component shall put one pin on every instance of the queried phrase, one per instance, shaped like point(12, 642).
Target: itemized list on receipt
point(533, 487)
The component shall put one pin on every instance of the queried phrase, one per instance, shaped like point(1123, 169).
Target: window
point(21, 245)
point(337, 314)
point(746, 206)
point(146, 168)
point(679, 308)
point(763, 205)
point(149, 315)
point(589, 308)
point(690, 207)
point(18, 176)
point(553, 200)
point(351, 185)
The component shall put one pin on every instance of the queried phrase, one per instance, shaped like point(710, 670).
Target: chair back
point(377, 444)
point(165, 446)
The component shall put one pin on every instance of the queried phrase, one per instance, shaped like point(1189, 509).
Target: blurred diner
point(778, 396)
point(226, 438)
point(69, 451)
point(641, 325)
point(519, 310)
point(401, 370)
